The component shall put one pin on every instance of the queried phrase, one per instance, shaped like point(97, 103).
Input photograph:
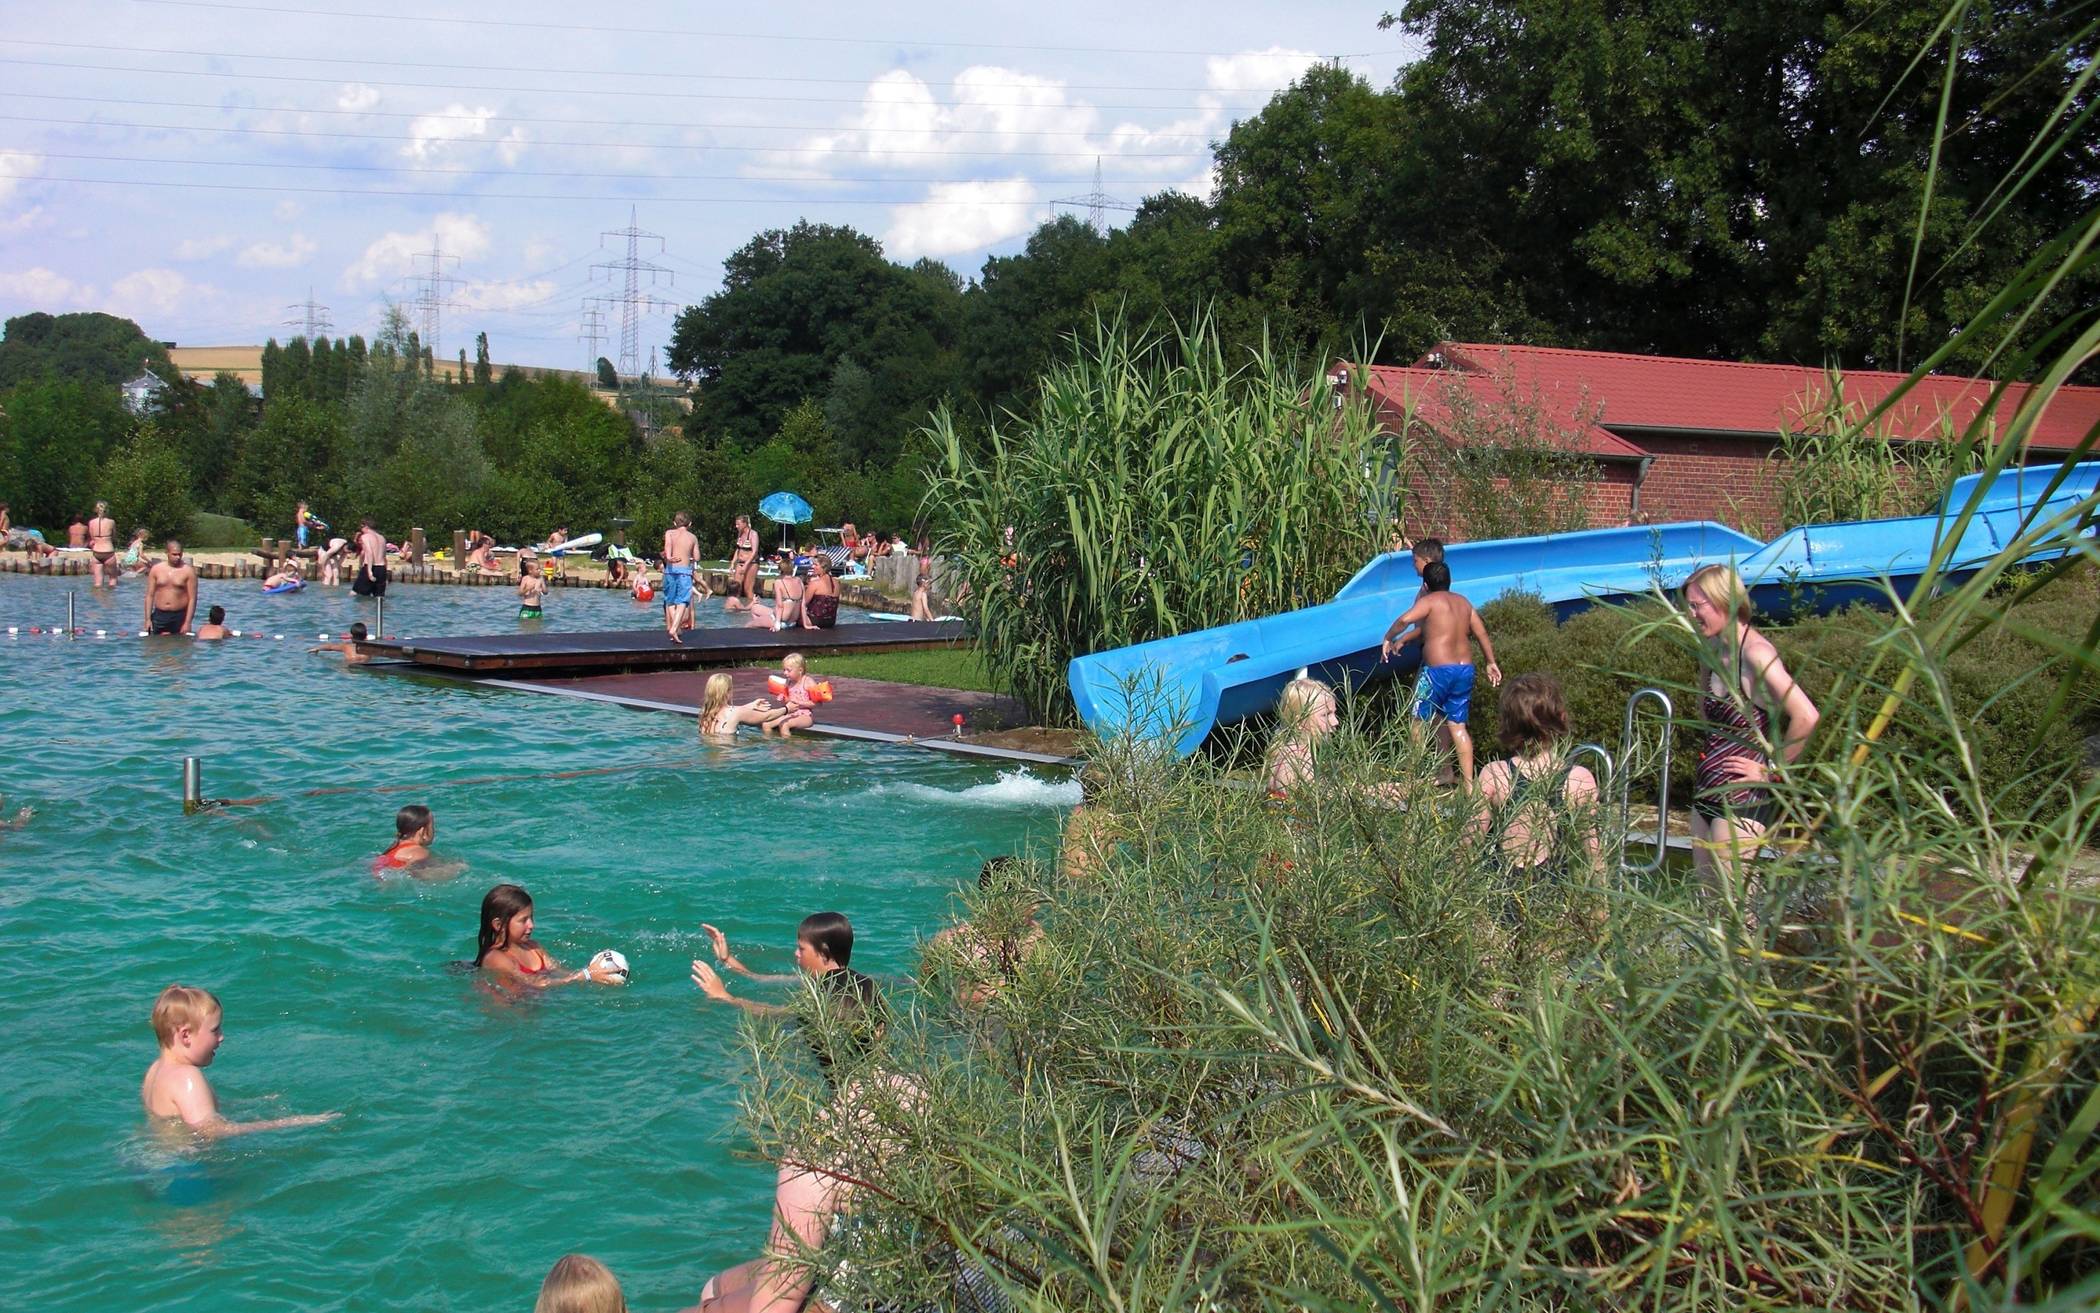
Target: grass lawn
point(941, 667)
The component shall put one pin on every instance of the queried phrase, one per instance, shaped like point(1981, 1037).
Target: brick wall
point(1710, 478)
point(1608, 496)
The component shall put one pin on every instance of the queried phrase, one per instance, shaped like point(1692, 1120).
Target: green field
point(948, 667)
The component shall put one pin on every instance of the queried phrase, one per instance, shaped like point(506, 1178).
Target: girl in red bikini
point(414, 828)
point(508, 952)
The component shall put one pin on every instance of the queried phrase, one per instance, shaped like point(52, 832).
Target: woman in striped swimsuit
point(1744, 681)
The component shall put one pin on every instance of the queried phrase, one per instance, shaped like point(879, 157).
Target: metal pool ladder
point(1627, 743)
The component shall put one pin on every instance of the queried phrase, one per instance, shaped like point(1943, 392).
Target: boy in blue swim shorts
point(1450, 626)
point(681, 551)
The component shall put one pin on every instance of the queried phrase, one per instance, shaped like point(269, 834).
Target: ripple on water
point(481, 1138)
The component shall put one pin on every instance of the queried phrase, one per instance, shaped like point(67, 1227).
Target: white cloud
point(275, 255)
point(1257, 70)
point(16, 165)
point(356, 97)
point(36, 216)
point(962, 216)
point(506, 296)
point(41, 288)
point(429, 134)
point(202, 248)
point(394, 254)
point(155, 294)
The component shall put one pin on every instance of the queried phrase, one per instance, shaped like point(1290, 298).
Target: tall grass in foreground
point(1155, 486)
point(1324, 1059)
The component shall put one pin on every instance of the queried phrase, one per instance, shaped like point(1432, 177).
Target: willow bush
point(1154, 486)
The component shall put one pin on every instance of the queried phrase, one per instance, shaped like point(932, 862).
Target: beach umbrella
point(784, 509)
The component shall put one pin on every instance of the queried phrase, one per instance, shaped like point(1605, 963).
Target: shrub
point(146, 483)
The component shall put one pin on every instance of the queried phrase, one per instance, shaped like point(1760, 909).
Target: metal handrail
point(1662, 792)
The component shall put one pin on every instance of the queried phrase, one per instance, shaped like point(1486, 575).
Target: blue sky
point(247, 151)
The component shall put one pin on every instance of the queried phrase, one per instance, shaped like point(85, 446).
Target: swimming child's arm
point(199, 1109)
point(711, 985)
point(728, 959)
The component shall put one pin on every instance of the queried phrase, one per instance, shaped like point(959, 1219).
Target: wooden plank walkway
point(651, 649)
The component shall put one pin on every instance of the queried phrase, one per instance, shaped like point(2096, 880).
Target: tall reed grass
point(1155, 486)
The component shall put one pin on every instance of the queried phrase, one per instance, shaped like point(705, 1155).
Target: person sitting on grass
point(799, 709)
point(508, 951)
point(720, 718)
point(347, 648)
point(1529, 797)
point(188, 1024)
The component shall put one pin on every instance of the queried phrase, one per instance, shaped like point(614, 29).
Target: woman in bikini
point(786, 610)
point(1743, 682)
point(508, 951)
point(820, 596)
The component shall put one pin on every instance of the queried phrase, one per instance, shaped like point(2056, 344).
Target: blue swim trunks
point(1445, 691)
point(678, 585)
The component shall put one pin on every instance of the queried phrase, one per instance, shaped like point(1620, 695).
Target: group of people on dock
point(1747, 691)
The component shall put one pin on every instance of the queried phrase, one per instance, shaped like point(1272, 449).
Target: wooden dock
point(631, 650)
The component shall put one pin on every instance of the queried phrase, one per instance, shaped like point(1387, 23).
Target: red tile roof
point(1628, 392)
point(1428, 395)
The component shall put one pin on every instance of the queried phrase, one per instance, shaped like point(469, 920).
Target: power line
point(313, 319)
point(592, 334)
point(547, 173)
point(522, 195)
point(628, 74)
point(1097, 203)
point(632, 300)
point(458, 88)
point(629, 30)
point(557, 141)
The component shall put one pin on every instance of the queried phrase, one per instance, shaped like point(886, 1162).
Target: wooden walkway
point(652, 650)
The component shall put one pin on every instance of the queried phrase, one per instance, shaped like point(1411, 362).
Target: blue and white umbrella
point(783, 509)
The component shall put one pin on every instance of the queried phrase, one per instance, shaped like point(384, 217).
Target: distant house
point(1666, 438)
point(139, 393)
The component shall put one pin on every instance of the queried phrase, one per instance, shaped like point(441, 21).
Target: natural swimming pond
point(480, 1140)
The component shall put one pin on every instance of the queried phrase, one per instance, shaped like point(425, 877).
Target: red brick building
point(1668, 439)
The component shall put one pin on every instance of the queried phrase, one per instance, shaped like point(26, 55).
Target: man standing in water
point(102, 545)
point(743, 568)
point(371, 561)
point(1449, 626)
point(681, 549)
point(171, 593)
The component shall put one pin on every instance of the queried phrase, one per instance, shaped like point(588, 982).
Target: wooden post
point(416, 545)
point(459, 549)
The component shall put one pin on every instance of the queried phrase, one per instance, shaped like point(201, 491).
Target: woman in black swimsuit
point(1743, 684)
point(1539, 805)
point(820, 597)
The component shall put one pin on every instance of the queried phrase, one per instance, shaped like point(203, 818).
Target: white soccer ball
point(610, 962)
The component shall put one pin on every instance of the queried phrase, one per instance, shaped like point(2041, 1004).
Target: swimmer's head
point(217, 615)
point(101, 508)
point(506, 916)
point(824, 940)
point(792, 664)
point(1531, 712)
point(1428, 551)
point(174, 551)
point(999, 872)
point(180, 1008)
point(412, 820)
point(1305, 710)
point(578, 1283)
point(680, 520)
point(1436, 577)
point(716, 698)
point(358, 632)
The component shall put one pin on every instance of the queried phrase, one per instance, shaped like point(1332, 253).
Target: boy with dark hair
point(1449, 626)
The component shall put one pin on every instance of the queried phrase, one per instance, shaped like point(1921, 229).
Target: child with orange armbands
point(799, 695)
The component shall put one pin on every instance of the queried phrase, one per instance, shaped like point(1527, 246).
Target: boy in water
point(348, 647)
point(214, 625)
point(532, 590)
point(1449, 627)
point(187, 1023)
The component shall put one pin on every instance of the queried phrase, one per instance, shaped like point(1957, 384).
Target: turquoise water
point(481, 1140)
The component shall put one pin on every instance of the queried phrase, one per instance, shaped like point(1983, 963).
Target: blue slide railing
point(1178, 689)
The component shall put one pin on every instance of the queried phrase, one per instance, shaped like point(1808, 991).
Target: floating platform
point(633, 650)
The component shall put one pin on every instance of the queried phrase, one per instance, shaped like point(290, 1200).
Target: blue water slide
point(2020, 487)
point(1178, 689)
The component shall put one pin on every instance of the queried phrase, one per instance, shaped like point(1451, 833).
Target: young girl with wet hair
point(508, 951)
point(578, 1283)
point(720, 718)
point(1305, 714)
point(1531, 795)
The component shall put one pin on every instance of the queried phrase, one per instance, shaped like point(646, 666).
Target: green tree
point(147, 484)
point(53, 441)
point(483, 373)
point(86, 348)
point(608, 377)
